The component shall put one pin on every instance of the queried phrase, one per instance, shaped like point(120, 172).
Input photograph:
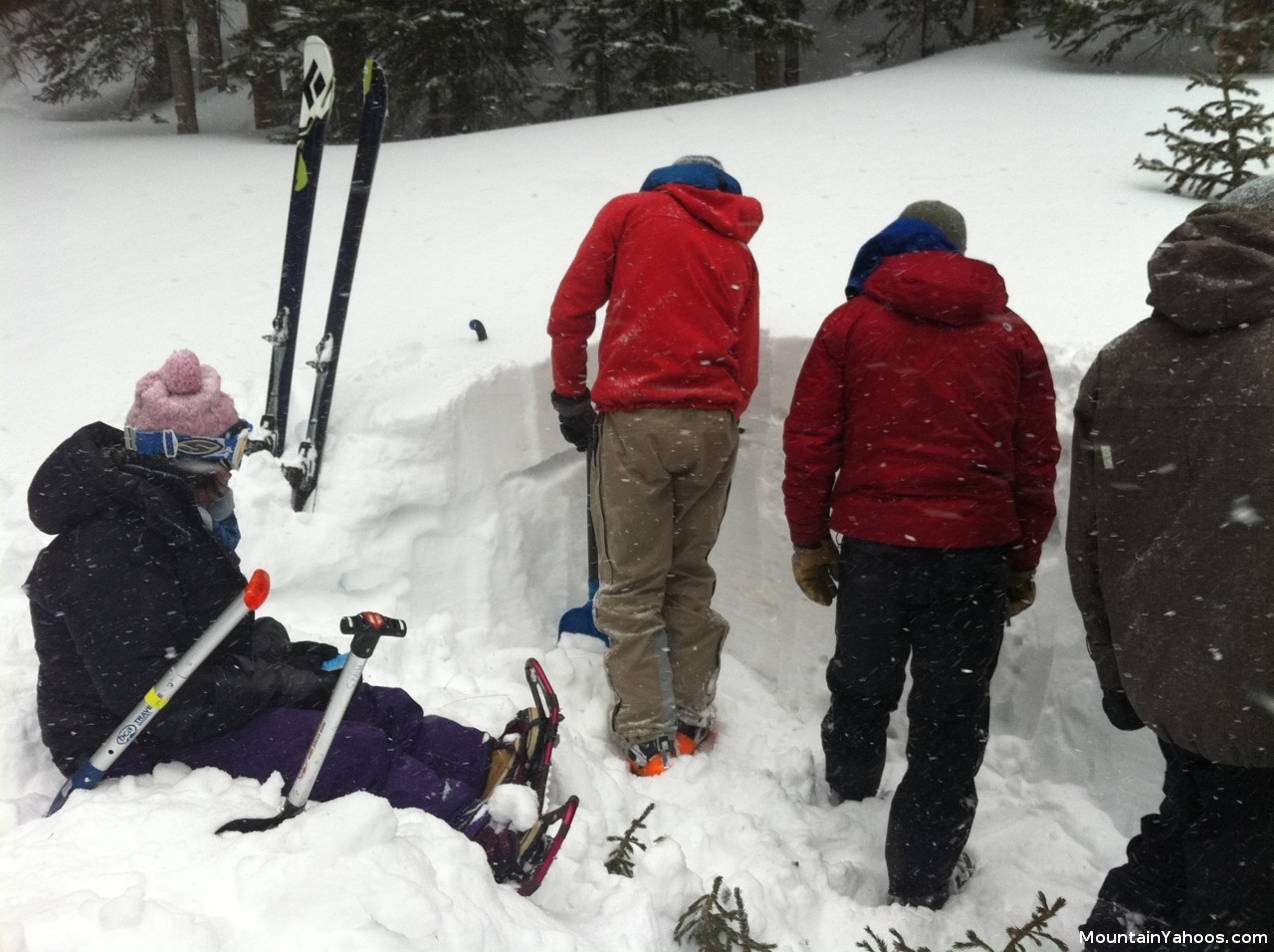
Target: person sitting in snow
point(677, 366)
point(1170, 542)
point(922, 429)
point(144, 561)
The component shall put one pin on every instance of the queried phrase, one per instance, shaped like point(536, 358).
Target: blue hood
point(695, 174)
point(901, 237)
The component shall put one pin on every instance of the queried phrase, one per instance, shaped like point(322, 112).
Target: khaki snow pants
point(661, 478)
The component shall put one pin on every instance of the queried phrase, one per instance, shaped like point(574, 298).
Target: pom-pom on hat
point(943, 217)
point(184, 396)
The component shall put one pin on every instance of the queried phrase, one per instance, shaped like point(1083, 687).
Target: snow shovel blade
point(259, 824)
point(579, 621)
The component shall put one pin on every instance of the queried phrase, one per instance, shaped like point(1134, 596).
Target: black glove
point(309, 690)
point(1119, 711)
point(575, 418)
point(269, 639)
point(311, 655)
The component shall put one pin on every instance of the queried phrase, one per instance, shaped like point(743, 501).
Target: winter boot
point(690, 737)
point(652, 757)
point(962, 873)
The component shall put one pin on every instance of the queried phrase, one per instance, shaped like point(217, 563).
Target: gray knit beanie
point(943, 217)
point(1257, 194)
point(700, 160)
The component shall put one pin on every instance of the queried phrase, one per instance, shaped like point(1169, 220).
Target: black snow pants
point(1204, 864)
point(945, 608)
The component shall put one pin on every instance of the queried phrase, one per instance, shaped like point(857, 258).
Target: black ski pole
point(367, 629)
point(89, 774)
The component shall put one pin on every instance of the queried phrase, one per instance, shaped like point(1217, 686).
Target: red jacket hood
point(939, 286)
point(735, 216)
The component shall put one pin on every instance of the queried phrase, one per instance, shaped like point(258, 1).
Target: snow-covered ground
point(449, 500)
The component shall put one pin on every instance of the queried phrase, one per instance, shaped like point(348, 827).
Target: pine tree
point(620, 860)
point(1219, 141)
point(714, 927)
point(1035, 931)
point(770, 29)
point(664, 68)
point(922, 24)
point(455, 65)
point(1110, 25)
point(75, 47)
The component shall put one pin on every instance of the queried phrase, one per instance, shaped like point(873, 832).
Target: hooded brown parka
point(1170, 535)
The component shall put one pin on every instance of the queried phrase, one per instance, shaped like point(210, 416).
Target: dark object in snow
point(303, 475)
point(478, 328)
point(318, 83)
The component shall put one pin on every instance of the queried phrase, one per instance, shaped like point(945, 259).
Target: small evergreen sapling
point(1034, 931)
point(1218, 141)
point(620, 860)
point(714, 928)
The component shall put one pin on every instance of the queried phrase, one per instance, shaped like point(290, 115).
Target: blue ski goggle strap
point(227, 450)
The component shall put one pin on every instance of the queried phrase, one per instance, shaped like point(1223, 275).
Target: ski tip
point(257, 590)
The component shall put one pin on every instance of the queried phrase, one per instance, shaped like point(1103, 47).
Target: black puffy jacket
point(132, 579)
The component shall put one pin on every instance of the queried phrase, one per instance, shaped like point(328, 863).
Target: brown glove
point(816, 569)
point(1021, 591)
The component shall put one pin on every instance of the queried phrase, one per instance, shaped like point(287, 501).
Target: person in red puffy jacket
point(677, 365)
point(923, 430)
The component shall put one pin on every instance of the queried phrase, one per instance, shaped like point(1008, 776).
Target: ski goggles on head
point(227, 450)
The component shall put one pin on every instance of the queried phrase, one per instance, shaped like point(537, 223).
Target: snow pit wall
point(476, 526)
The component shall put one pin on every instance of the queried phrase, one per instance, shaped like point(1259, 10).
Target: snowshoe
point(541, 843)
point(526, 746)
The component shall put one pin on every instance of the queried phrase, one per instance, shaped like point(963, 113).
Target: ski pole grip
point(373, 623)
point(257, 590)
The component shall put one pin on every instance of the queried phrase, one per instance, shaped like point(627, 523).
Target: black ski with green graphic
point(316, 104)
point(304, 473)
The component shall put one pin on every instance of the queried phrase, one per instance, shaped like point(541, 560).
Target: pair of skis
point(316, 104)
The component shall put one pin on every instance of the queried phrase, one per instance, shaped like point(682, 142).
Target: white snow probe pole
point(89, 774)
point(367, 628)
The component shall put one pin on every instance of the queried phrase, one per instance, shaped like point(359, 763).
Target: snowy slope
point(449, 500)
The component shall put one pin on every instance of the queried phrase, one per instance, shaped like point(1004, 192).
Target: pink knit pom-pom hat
point(184, 396)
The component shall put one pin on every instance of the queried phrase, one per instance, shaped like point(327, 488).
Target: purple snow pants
point(385, 745)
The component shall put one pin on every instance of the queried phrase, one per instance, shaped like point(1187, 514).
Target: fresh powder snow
point(449, 499)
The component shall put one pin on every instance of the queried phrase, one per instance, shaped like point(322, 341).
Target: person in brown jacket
point(1170, 541)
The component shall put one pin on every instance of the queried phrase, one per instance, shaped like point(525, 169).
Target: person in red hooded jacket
point(677, 365)
point(922, 428)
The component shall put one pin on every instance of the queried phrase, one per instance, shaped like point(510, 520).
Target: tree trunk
point(182, 71)
point(267, 90)
point(208, 22)
point(792, 49)
point(988, 15)
point(159, 84)
point(766, 61)
point(1240, 48)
